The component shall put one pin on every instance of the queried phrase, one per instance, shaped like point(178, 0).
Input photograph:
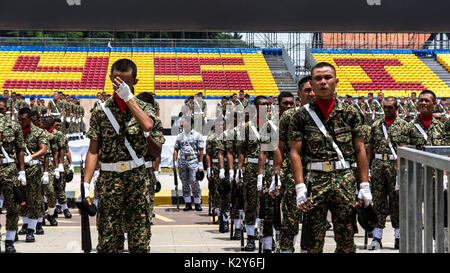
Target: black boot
point(58, 209)
point(225, 227)
point(9, 247)
point(188, 207)
point(55, 214)
point(30, 236)
point(267, 251)
point(39, 229)
point(236, 235)
point(67, 214)
point(51, 219)
point(23, 230)
point(16, 238)
point(198, 207)
point(250, 243)
point(397, 243)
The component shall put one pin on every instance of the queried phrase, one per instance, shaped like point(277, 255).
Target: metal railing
point(422, 197)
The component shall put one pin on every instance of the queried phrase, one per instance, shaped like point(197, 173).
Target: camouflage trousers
point(49, 189)
point(250, 193)
point(235, 192)
point(217, 198)
point(34, 192)
point(8, 180)
point(291, 213)
point(60, 189)
point(269, 204)
point(385, 199)
point(151, 190)
point(124, 207)
point(333, 191)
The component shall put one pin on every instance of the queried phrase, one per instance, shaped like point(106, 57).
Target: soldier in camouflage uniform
point(199, 112)
point(123, 183)
point(402, 111)
point(55, 107)
point(411, 105)
point(386, 136)
point(249, 148)
point(291, 214)
point(329, 172)
point(37, 149)
point(9, 104)
point(156, 140)
point(212, 174)
point(372, 109)
point(12, 142)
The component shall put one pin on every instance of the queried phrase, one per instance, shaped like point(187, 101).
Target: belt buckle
point(385, 157)
point(123, 166)
point(327, 166)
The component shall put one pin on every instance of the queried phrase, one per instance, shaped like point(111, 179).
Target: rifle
point(262, 209)
point(241, 211)
point(86, 244)
point(277, 218)
point(306, 226)
point(176, 188)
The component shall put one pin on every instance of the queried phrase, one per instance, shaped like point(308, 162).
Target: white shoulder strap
point(57, 111)
point(274, 127)
point(389, 142)
point(425, 136)
point(6, 155)
point(255, 131)
point(324, 132)
point(116, 126)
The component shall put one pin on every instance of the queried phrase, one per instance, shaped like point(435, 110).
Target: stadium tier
point(169, 72)
point(393, 72)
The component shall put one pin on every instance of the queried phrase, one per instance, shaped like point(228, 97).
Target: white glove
point(146, 134)
point(237, 175)
point(68, 119)
point(397, 186)
point(208, 172)
point(260, 182)
point(22, 178)
point(56, 173)
point(231, 173)
point(95, 176)
point(86, 192)
point(272, 185)
point(301, 190)
point(364, 193)
point(27, 159)
point(445, 183)
point(156, 175)
point(44, 178)
point(124, 92)
point(71, 168)
point(60, 168)
point(200, 166)
point(73, 119)
point(222, 174)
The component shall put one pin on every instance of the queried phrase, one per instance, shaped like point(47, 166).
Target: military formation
point(324, 150)
point(36, 165)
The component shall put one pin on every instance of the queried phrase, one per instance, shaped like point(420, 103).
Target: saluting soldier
point(123, 183)
point(331, 154)
point(386, 136)
point(12, 149)
point(189, 144)
point(291, 213)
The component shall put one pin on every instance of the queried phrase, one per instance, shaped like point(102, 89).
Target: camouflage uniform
point(447, 131)
point(62, 142)
point(412, 108)
point(231, 143)
point(34, 190)
point(248, 141)
point(291, 214)
point(435, 133)
point(124, 199)
point(402, 110)
point(56, 108)
point(369, 107)
point(49, 189)
point(241, 105)
point(212, 149)
point(158, 136)
point(384, 169)
point(332, 190)
point(12, 142)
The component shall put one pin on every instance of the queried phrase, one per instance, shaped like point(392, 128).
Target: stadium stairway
point(437, 68)
point(281, 74)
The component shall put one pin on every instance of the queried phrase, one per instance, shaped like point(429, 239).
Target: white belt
point(217, 160)
point(55, 114)
point(329, 166)
point(6, 161)
point(252, 160)
point(121, 166)
point(33, 162)
point(385, 157)
point(148, 164)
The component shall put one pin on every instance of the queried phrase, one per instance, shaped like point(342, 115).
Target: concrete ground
point(172, 231)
